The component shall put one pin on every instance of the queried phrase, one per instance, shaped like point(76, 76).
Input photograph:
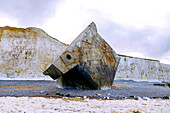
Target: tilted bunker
point(87, 63)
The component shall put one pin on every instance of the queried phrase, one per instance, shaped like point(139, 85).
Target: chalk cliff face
point(26, 53)
point(139, 69)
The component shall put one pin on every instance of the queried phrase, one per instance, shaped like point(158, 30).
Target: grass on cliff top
point(138, 58)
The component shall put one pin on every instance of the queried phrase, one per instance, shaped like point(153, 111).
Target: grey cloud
point(122, 39)
point(29, 12)
point(128, 39)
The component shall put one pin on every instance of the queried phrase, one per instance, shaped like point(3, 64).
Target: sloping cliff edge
point(26, 53)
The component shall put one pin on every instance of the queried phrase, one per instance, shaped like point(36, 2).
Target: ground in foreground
point(51, 105)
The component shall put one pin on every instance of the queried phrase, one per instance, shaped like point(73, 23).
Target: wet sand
point(120, 89)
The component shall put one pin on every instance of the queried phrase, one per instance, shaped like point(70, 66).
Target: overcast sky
point(132, 27)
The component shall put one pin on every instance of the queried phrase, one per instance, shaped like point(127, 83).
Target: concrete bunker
point(87, 63)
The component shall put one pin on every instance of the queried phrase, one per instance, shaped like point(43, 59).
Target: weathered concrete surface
point(26, 53)
point(139, 69)
point(88, 62)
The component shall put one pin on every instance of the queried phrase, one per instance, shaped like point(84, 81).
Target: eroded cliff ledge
point(26, 53)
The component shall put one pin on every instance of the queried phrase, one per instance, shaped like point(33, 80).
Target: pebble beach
point(81, 105)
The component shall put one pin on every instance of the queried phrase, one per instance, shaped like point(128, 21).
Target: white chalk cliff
point(26, 53)
point(140, 69)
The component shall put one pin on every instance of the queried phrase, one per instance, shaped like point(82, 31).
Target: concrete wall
point(142, 70)
point(26, 53)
